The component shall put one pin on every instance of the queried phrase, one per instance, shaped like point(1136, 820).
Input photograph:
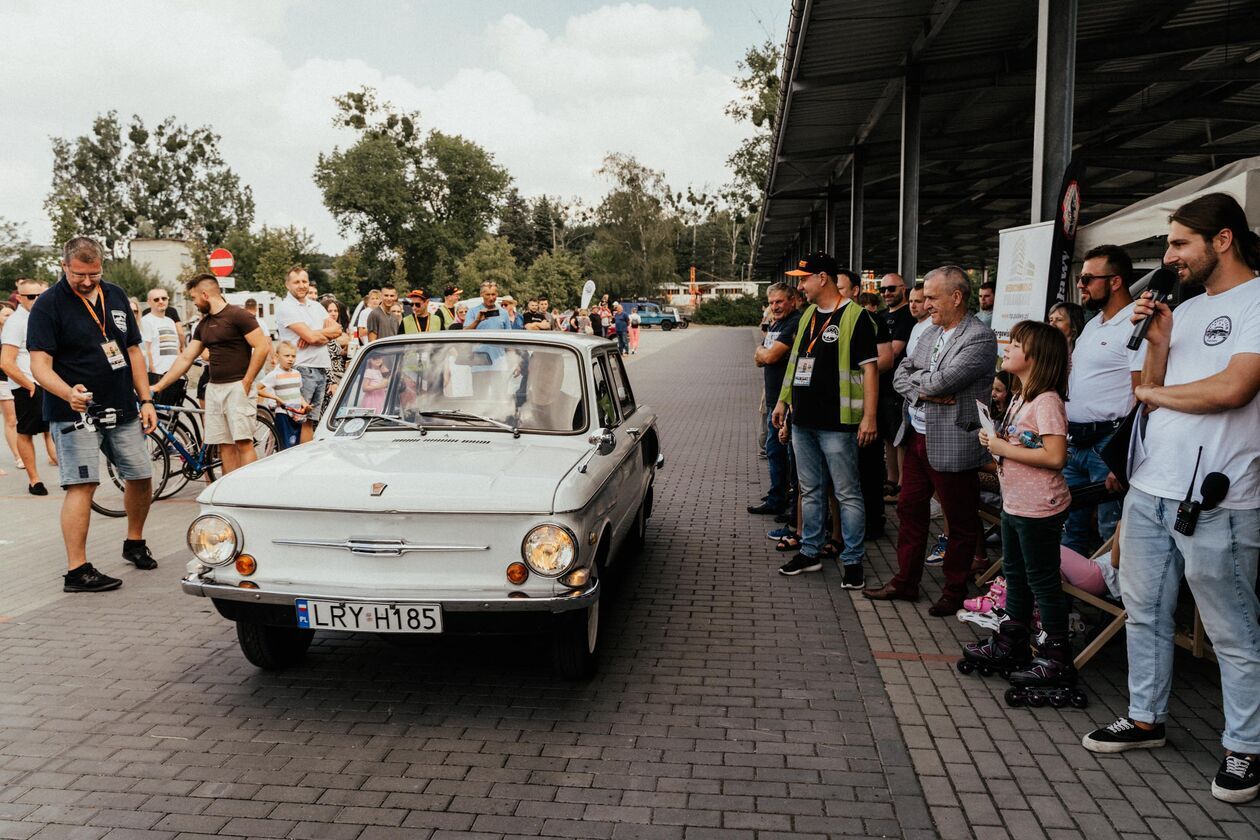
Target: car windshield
point(467, 383)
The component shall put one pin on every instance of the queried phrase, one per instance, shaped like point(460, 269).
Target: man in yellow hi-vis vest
point(832, 387)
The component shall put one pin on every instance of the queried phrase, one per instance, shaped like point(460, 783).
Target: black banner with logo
point(1067, 218)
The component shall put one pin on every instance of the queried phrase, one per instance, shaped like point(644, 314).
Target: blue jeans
point(288, 431)
point(1219, 562)
point(79, 452)
point(819, 454)
point(1085, 466)
point(777, 461)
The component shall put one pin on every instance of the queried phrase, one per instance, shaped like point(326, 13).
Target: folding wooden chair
point(1106, 605)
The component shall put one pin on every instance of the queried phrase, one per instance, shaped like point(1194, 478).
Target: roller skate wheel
point(1079, 699)
point(1014, 697)
point(966, 666)
point(1058, 700)
point(1036, 700)
point(985, 671)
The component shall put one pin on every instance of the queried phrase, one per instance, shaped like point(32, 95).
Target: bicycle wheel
point(265, 440)
point(108, 499)
point(179, 472)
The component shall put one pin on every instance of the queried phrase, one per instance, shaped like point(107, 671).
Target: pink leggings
point(1082, 572)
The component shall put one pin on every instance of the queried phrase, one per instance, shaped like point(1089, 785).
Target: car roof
point(577, 340)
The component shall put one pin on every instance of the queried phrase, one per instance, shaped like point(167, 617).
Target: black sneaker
point(765, 508)
point(1238, 780)
point(136, 552)
point(854, 577)
point(37, 489)
point(800, 563)
point(1123, 735)
point(87, 579)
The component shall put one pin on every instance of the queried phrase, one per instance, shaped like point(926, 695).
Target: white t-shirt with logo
point(918, 417)
point(161, 342)
point(308, 312)
point(14, 334)
point(1207, 331)
point(1100, 387)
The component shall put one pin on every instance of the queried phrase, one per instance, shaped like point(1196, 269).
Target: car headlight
point(550, 550)
point(214, 540)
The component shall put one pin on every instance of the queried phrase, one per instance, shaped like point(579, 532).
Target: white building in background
point(266, 306)
point(679, 294)
point(166, 259)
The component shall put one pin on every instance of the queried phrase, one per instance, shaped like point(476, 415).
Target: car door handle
point(634, 433)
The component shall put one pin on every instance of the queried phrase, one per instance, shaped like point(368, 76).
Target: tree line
point(422, 207)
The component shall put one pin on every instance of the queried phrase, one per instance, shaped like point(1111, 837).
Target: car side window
point(621, 384)
point(605, 405)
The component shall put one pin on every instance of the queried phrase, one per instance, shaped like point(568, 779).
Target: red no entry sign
point(221, 262)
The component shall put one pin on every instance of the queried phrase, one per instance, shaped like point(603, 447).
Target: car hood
point(439, 472)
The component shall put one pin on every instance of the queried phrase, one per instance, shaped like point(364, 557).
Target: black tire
point(666, 326)
point(108, 498)
point(188, 438)
point(272, 648)
point(682, 325)
point(575, 644)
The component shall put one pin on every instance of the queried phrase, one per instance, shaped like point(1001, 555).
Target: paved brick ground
point(731, 703)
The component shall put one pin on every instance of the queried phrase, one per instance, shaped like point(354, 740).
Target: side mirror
point(605, 441)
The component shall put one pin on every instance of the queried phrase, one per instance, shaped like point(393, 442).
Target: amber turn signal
point(517, 573)
point(247, 584)
point(246, 565)
point(577, 577)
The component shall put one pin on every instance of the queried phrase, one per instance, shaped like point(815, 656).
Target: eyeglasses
point(156, 299)
point(887, 289)
point(77, 276)
point(1086, 279)
point(30, 297)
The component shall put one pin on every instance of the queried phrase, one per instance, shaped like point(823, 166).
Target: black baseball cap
point(816, 263)
point(451, 290)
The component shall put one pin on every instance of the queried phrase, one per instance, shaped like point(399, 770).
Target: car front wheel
point(575, 644)
point(666, 326)
point(272, 648)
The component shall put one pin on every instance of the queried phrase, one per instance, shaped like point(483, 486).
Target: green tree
point(428, 198)
point(135, 278)
point(348, 279)
point(516, 226)
point(20, 258)
point(282, 248)
point(491, 260)
point(632, 254)
point(169, 182)
point(758, 104)
point(556, 274)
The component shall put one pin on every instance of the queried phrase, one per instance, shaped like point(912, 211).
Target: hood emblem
point(378, 488)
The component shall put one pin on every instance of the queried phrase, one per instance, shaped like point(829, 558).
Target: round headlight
point(549, 550)
point(214, 540)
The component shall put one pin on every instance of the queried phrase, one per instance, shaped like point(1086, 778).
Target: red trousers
point(959, 493)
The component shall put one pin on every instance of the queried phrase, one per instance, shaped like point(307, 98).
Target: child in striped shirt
point(283, 386)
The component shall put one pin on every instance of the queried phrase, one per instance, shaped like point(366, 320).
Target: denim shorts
point(79, 452)
point(314, 385)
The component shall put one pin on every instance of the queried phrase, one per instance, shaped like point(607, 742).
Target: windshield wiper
point(455, 414)
point(369, 419)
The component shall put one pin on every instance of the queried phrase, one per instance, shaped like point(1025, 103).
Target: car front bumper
point(449, 601)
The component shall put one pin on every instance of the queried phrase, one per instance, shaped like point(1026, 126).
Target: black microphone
point(1215, 489)
point(1163, 281)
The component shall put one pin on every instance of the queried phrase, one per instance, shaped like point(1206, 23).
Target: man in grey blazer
point(951, 368)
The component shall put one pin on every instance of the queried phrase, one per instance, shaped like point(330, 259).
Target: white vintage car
point(461, 481)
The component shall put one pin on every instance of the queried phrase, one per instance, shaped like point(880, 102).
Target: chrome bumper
point(449, 601)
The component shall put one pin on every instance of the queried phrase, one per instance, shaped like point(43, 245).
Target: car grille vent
point(440, 440)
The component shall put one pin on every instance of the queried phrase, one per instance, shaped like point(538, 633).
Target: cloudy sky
point(548, 86)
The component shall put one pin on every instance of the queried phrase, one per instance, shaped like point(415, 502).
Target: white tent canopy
point(1149, 217)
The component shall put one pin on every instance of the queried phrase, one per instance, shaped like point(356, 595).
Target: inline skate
point(1050, 679)
point(1005, 651)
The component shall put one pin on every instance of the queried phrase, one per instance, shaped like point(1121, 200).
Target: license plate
point(378, 618)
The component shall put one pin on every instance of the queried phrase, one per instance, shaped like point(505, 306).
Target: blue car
point(652, 314)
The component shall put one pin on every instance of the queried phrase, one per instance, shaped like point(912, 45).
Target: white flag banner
point(588, 292)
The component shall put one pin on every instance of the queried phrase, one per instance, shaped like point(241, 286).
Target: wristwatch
point(142, 402)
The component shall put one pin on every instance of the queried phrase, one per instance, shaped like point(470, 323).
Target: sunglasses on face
point(1086, 279)
point(156, 299)
point(887, 289)
point(29, 297)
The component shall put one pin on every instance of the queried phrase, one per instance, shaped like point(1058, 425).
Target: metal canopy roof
point(1165, 90)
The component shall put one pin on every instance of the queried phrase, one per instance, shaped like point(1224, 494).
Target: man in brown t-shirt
point(238, 348)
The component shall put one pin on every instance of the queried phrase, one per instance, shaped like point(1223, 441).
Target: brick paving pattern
point(731, 702)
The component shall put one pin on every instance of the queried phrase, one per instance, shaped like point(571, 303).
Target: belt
point(1094, 428)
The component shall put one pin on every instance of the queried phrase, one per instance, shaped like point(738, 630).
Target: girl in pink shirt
point(1029, 446)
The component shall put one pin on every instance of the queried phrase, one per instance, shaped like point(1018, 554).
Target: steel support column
point(1052, 122)
point(908, 231)
point(829, 222)
point(856, 200)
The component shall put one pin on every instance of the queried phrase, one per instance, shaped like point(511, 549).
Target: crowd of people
point(912, 404)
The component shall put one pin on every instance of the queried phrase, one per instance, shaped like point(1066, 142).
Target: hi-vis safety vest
point(851, 395)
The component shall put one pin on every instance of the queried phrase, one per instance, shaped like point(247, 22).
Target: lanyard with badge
point(805, 362)
point(113, 354)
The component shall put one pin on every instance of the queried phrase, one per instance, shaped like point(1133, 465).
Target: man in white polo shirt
point(1103, 375)
point(306, 325)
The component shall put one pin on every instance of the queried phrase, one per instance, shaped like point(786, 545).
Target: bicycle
point(175, 439)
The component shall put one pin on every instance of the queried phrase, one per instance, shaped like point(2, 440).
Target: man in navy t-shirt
point(772, 357)
point(86, 351)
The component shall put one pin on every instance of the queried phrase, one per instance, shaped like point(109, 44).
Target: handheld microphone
point(1163, 281)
